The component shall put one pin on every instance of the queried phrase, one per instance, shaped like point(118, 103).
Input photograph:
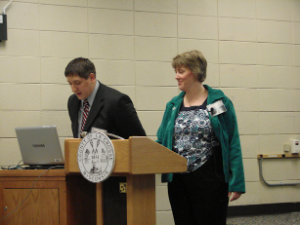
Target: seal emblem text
point(96, 157)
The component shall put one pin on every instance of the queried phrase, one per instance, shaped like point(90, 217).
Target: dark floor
point(274, 219)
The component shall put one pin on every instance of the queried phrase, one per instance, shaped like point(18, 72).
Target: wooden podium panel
point(149, 157)
point(141, 199)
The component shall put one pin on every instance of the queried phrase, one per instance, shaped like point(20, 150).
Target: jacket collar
point(178, 99)
point(73, 111)
point(213, 95)
point(96, 107)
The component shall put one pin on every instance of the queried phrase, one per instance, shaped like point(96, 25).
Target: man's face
point(82, 87)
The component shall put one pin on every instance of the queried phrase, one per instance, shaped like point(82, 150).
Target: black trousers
point(200, 197)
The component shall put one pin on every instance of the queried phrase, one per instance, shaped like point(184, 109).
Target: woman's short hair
point(194, 60)
point(81, 67)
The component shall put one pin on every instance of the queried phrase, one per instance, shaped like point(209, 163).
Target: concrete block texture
point(275, 9)
point(55, 96)
point(275, 31)
point(165, 6)
point(108, 4)
point(110, 21)
point(296, 32)
point(201, 8)
point(204, 27)
point(21, 43)
point(111, 46)
point(61, 18)
point(10, 152)
point(273, 143)
point(115, 72)
point(52, 70)
point(155, 24)
point(252, 197)
point(236, 8)
point(155, 73)
point(80, 3)
point(20, 97)
point(275, 54)
point(252, 48)
point(209, 48)
point(63, 44)
point(296, 10)
point(12, 119)
point(248, 122)
point(250, 146)
point(276, 123)
point(24, 16)
point(237, 75)
point(155, 48)
point(234, 52)
point(281, 77)
point(237, 29)
point(27, 71)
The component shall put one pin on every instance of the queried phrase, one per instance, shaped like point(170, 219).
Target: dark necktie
point(86, 112)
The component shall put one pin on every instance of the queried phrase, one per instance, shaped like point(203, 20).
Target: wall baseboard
point(265, 209)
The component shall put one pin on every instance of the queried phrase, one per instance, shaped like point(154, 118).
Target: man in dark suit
point(109, 109)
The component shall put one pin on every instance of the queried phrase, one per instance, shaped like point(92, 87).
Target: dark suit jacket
point(111, 110)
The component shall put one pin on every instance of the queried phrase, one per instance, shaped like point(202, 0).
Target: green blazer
point(226, 130)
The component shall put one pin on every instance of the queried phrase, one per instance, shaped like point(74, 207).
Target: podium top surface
point(136, 155)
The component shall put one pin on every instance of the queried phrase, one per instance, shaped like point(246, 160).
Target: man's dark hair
point(81, 67)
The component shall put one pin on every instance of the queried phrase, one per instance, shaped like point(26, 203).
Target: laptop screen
point(39, 145)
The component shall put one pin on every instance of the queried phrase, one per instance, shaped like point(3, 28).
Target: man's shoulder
point(110, 93)
point(111, 90)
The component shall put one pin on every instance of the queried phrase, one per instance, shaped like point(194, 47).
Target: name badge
point(216, 108)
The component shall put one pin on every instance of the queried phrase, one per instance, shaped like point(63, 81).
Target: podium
point(138, 159)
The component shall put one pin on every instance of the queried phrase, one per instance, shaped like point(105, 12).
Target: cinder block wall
point(253, 53)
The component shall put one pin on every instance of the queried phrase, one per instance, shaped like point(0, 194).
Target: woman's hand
point(234, 195)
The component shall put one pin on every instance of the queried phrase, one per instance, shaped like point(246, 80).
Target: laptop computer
point(39, 146)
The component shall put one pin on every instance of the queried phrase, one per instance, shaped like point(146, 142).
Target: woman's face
point(185, 78)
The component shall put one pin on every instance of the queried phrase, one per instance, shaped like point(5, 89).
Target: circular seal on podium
point(96, 157)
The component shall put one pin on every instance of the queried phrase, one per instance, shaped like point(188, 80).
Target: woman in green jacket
point(200, 124)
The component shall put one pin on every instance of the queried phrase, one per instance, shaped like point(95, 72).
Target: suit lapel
point(74, 115)
point(96, 107)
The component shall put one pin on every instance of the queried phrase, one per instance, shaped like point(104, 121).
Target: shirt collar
point(92, 96)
